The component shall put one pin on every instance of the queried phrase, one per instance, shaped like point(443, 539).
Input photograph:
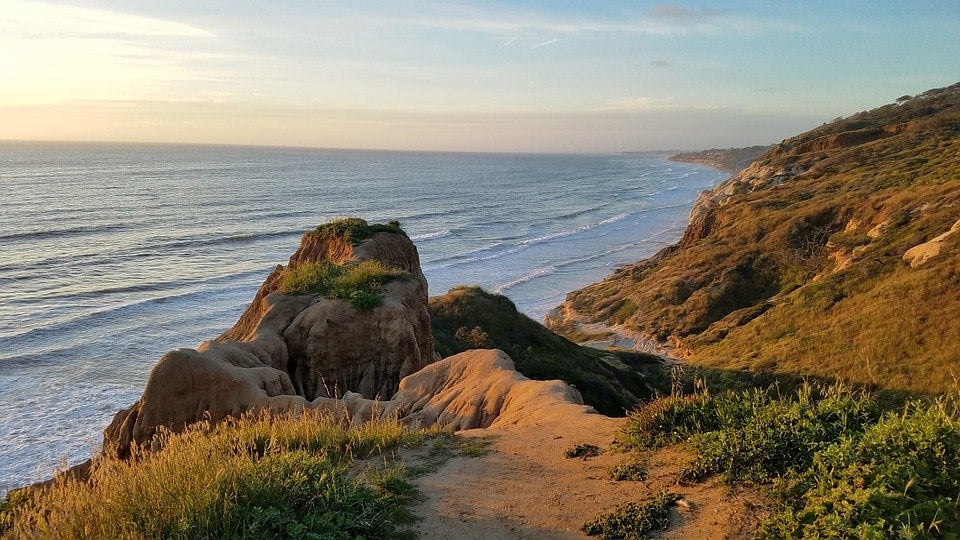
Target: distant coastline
point(731, 160)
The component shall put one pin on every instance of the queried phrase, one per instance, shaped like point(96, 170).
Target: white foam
point(432, 236)
point(529, 276)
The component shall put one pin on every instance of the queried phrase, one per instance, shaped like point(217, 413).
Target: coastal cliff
point(832, 254)
point(346, 315)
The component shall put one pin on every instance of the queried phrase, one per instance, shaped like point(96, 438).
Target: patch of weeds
point(631, 470)
point(475, 446)
point(358, 283)
point(583, 451)
point(356, 230)
point(634, 520)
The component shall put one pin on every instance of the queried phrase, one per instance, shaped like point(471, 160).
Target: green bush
point(899, 479)
point(840, 467)
point(778, 435)
point(359, 283)
point(634, 520)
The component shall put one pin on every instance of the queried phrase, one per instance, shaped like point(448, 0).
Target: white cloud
point(51, 53)
point(38, 20)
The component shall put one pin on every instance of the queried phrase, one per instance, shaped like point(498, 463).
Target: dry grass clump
point(257, 477)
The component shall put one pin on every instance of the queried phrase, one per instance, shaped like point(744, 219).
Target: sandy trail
point(526, 488)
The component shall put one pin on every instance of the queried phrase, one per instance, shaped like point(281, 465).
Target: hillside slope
point(831, 255)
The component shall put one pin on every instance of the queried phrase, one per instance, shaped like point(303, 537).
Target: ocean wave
point(577, 230)
point(529, 276)
point(646, 240)
point(525, 244)
point(60, 233)
point(578, 213)
point(212, 240)
point(432, 236)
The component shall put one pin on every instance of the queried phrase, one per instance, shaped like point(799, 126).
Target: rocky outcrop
point(474, 389)
point(287, 350)
point(921, 253)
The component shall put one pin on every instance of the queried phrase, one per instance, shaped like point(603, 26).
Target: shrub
point(634, 520)
point(840, 467)
point(899, 479)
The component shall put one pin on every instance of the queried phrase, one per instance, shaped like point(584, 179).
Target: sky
point(560, 76)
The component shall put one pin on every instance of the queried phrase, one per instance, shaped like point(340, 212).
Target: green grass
point(838, 465)
point(266, 477)
point(358, 283)
point(356, 230)
point(632, 521)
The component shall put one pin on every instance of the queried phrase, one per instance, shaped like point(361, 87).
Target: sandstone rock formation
point(479, 388)
point(287, 350)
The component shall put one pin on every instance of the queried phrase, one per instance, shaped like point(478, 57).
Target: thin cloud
point(41, 20)
point(685, 14)
point(544, 44)
point(661, 63)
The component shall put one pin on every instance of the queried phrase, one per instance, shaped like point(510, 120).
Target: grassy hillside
point(470, 318)
point(797, 264)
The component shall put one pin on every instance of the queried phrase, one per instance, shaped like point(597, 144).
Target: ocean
point(112, 254)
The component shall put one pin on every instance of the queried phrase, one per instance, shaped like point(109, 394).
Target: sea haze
point(111, 255)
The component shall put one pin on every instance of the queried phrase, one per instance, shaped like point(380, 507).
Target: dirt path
point(525, 487)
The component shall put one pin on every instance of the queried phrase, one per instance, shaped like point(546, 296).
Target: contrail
point(544, 44)
point(514, 38)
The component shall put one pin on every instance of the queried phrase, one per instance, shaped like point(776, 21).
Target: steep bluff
point(289, 349)
point(832, 254)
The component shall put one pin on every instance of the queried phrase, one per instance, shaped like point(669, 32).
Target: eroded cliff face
point(287, 350)
point(833, 254)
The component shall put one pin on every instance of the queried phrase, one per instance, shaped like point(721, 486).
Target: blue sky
point(440, 75)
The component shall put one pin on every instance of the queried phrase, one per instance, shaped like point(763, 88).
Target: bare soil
point(525, 487)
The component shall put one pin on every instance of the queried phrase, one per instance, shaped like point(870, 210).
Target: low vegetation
point(629, 471)
point(838, 465)
point(612, 382)
point(356, 230)
point(805, 275)
point(359, 283)
point(634, 520)
point(265, 477)
point(582, 451)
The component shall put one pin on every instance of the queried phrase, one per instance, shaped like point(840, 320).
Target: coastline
point(176, 279)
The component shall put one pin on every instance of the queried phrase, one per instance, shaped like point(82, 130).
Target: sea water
point(112, 254)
